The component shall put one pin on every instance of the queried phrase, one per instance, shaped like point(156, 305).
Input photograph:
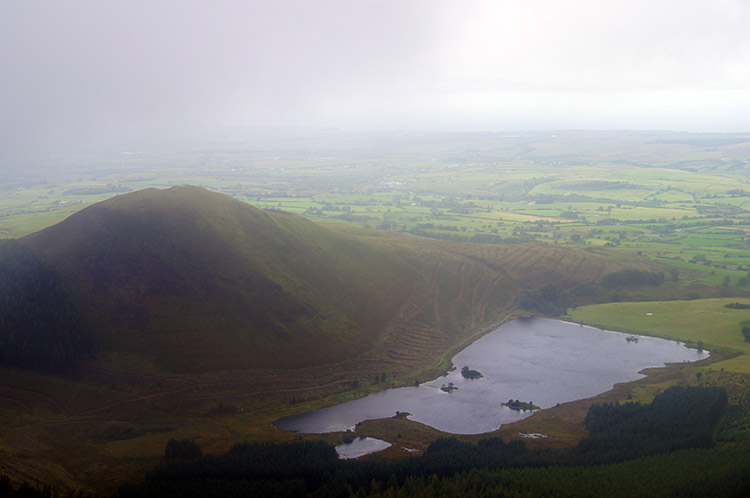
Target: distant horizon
point(81, 73)
point(201, 138)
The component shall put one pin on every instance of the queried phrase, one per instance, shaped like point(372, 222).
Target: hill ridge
point(200, 281)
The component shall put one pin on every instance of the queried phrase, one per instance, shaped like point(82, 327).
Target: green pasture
point(711, 275)
point(689, 181)
point(623, 195)
point(23, 224)
point(742, 202)
point(649, 213)
point(673, 196)
point(703, 240)
point(704, 320)
point(464, 184)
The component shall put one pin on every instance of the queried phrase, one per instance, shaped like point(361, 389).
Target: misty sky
point(77, 71)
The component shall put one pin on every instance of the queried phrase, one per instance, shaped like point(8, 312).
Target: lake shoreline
point(536, 358)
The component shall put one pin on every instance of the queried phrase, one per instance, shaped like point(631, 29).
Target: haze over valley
point(505, 248)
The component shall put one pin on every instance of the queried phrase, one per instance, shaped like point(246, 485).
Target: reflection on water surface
point(360, 447)
point(535, 359)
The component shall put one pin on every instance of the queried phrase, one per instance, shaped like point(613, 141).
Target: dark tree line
point(547, 300)
point(26, 490)
point(40, 326)
point(632, 277)
point(313, 468)
point(678, 418)
point(182, 449)
point(7, 489)
point(737, 306)
point(699, 473)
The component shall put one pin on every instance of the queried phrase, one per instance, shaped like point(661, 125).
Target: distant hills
point(197, 281)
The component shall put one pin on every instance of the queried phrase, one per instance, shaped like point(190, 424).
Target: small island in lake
point(449, 388)
point(468, 373)
point(521, 405)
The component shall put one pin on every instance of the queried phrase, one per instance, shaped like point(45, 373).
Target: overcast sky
point(77, 71)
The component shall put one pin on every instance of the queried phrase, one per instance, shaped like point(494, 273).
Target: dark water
point(541, 360)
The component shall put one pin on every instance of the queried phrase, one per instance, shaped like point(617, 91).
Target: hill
point(196, 281)
point(199, 315)
point(202, 281)
point(199, 281)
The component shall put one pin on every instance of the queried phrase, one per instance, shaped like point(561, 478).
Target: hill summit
point(196, 281)
point(203, 281)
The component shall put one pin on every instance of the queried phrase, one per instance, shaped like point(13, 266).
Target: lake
point(359, 447)
point(531, 359)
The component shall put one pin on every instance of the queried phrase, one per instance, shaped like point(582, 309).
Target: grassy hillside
point(214, 318)
point(183, 271)
point(199, 282)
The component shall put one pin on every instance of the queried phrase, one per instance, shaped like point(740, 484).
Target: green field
point(661, 195)
point(562, 210)
point(705, 320)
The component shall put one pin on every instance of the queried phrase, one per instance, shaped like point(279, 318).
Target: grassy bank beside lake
point(705, 320)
